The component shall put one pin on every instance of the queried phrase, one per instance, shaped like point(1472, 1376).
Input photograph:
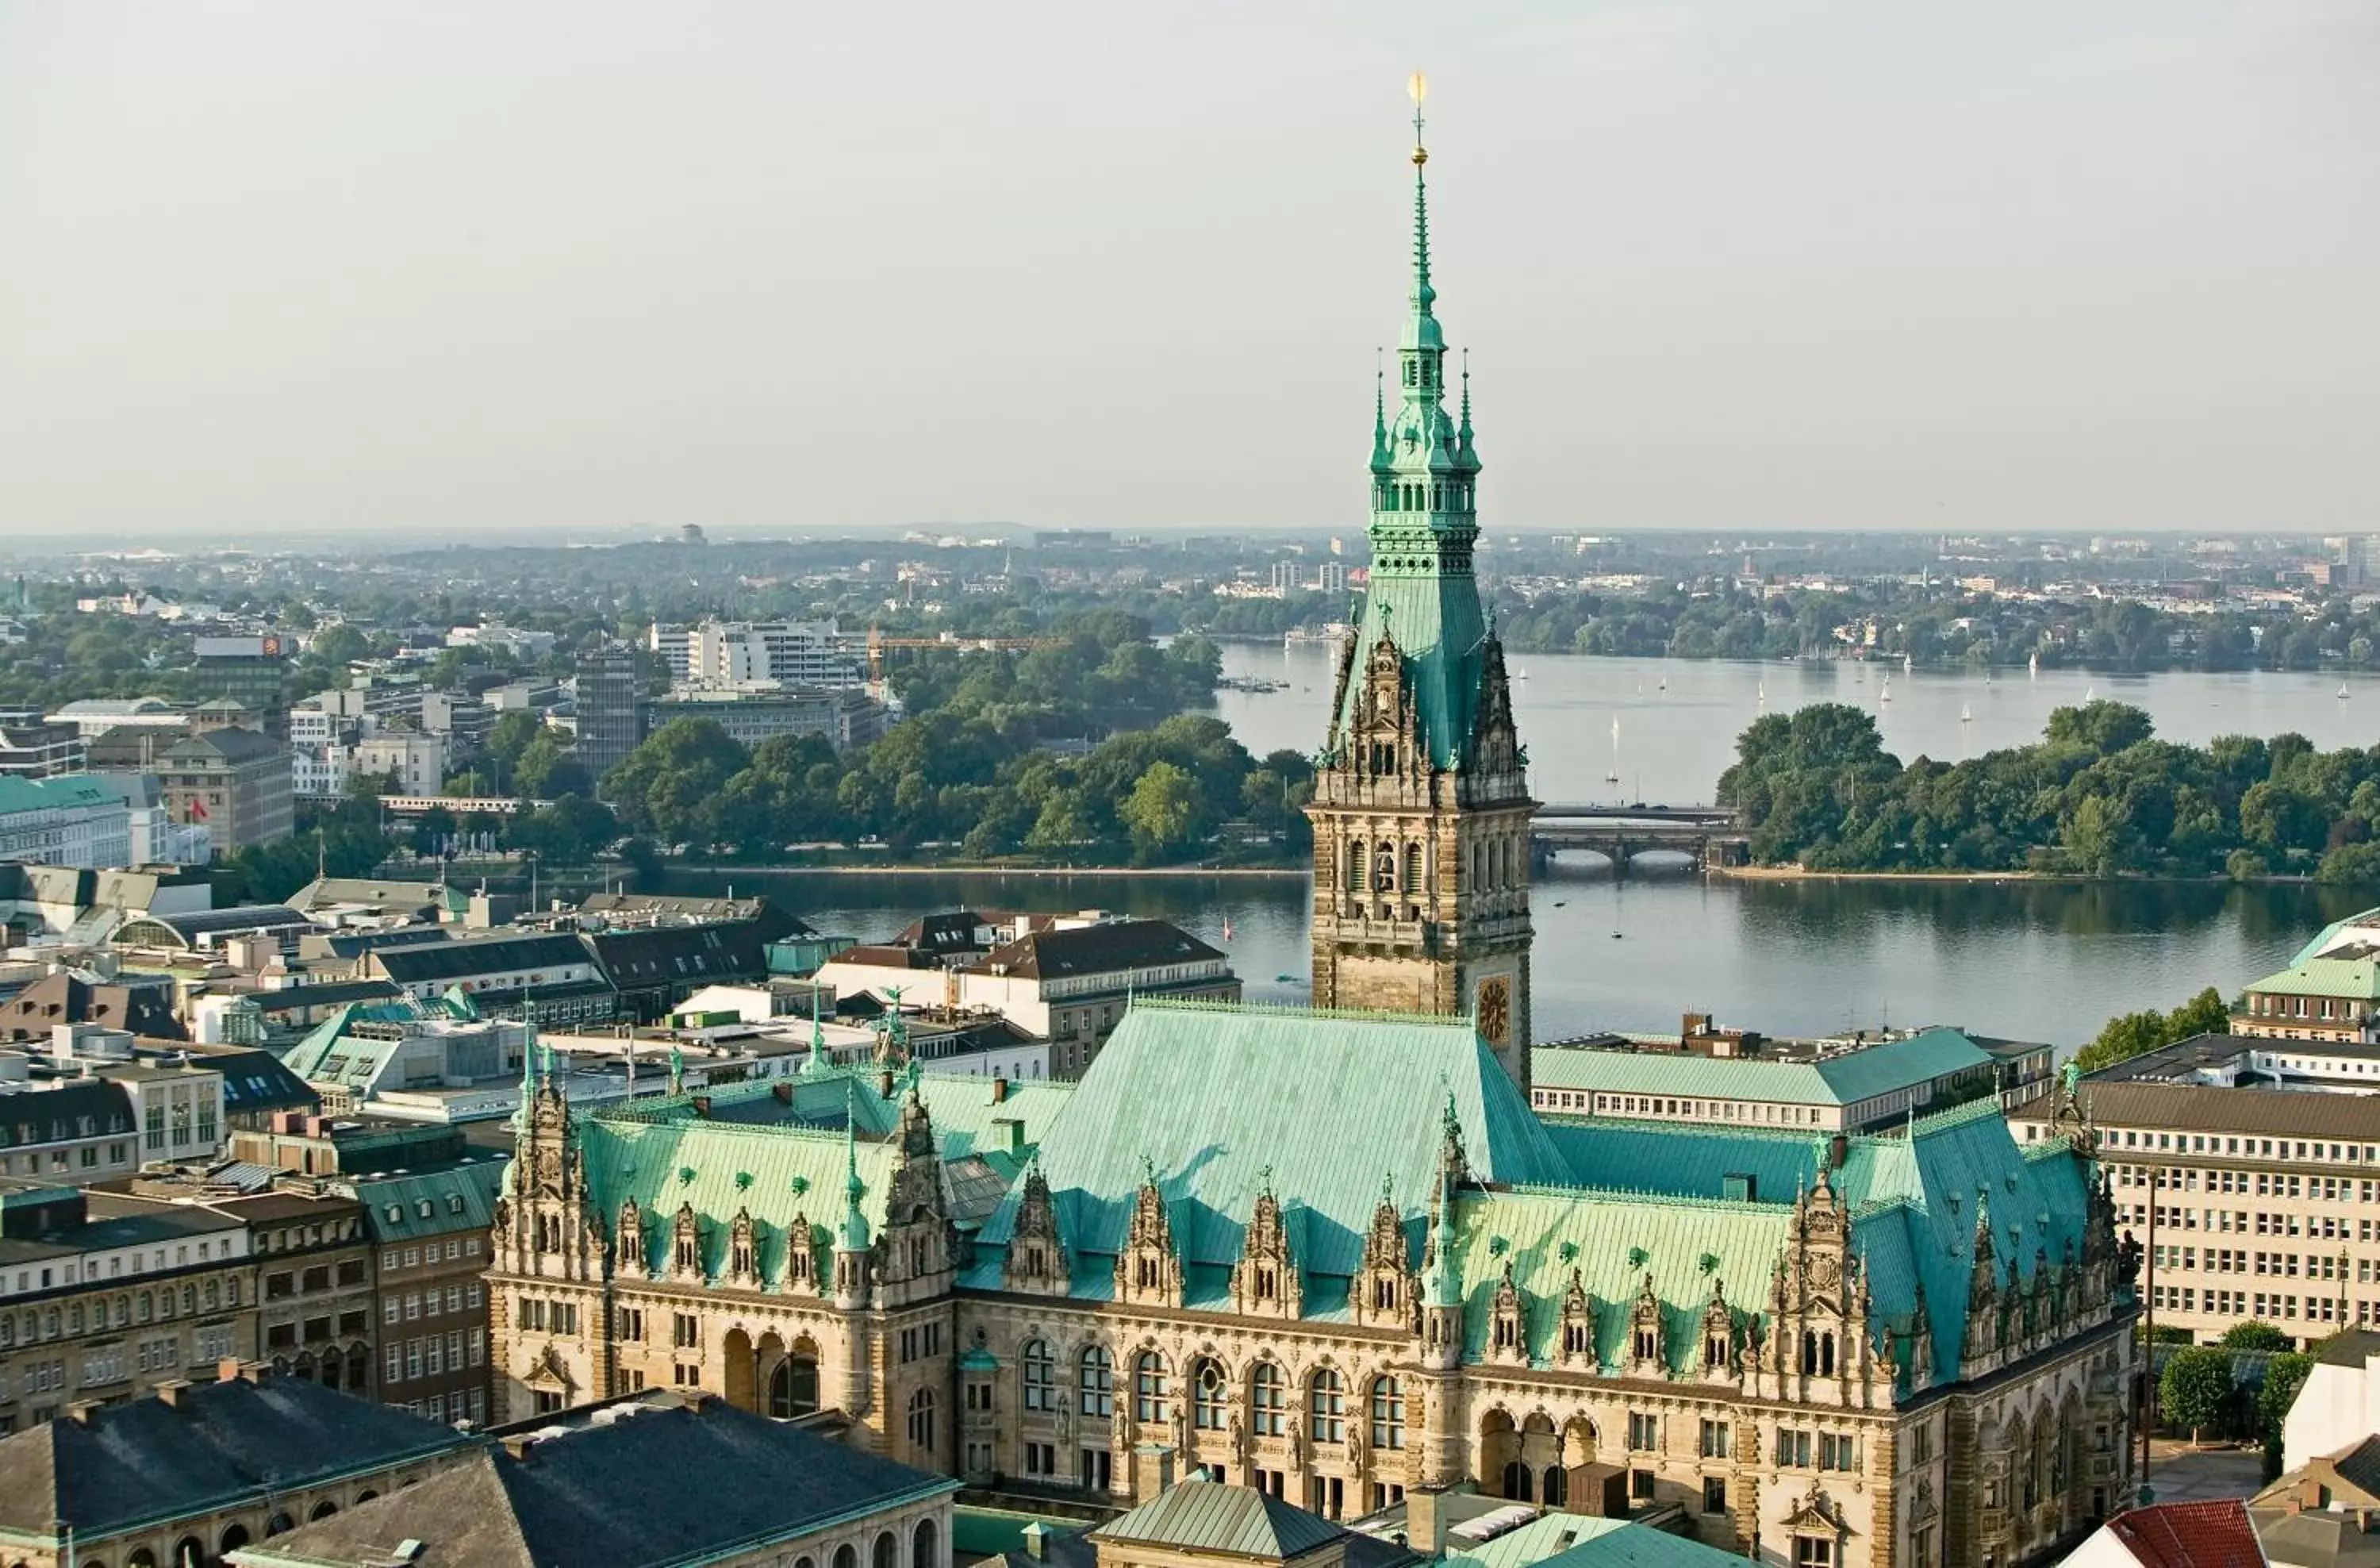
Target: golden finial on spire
point(1417, 88)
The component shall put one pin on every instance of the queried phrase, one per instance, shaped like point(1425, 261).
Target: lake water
point(2035, 961)
point(1675, 741)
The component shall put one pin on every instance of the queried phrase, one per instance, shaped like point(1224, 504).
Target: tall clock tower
point(1421, 806)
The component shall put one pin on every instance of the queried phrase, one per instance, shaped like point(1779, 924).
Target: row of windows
point(2239, 1260)
point(85, 1157)
point(1674, 1105)
point(1153, 1395)
point(417, 1303)
point(434, 1355)
point(87, 1271)
point(2237, 1221)
point(2269, 1307)
point(411, 1256)
point(73, 1320)
point(2262, 1184)
point(2256, 1148)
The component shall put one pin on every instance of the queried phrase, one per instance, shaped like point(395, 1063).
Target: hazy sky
point(2024, 263)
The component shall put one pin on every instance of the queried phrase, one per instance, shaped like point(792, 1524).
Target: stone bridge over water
point(1709, 835)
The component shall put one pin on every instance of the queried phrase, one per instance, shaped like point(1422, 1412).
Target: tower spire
point(1423, 294)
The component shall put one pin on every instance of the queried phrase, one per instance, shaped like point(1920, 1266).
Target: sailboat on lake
point(1613, 776)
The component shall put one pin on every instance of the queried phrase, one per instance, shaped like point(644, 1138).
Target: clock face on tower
point(1494, 1010)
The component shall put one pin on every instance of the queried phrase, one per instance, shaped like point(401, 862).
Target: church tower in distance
point(1421, 802)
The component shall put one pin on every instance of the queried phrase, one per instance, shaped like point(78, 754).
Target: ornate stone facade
point(1809, 1418)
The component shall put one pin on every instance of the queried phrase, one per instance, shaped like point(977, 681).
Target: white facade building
point(76, 820)
point(417, 760)
point(730, 653)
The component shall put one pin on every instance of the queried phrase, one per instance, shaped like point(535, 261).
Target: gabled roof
point(2357, 979)
point(592, 1494)
point(218, 1445)
point(430, 961)
point(649, 956)
point(1109, 947)
point(1210, 1517)
point(2190, 1535)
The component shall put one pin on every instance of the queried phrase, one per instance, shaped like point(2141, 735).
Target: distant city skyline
point(1724, 266)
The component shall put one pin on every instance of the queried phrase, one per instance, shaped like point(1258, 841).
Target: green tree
point(2284, 1374)
point(2250, 1334)
point(2195, 1387)
point(511, 734)
point(2350, 865)
point(2105, 727)
point(1162, 809)
point(2135, 1034)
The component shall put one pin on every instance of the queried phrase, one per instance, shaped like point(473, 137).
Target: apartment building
point(315, 1304)
point(2260, 1160)
point(104, 1296)
point(727, 653)
point(63, 821)
point(428, 1199)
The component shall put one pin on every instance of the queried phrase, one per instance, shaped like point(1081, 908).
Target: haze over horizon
point(1729, 265)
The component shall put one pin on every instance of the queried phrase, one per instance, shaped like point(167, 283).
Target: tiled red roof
point(2190, 1535)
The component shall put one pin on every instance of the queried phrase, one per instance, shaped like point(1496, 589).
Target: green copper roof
point(1846, 1079)
point(1202, 1515)
point(1613, 1240)
point(1214, 1095)
point(1423, 525)
point(2357, 979)
point(1574, 1540)
point(782, 1156)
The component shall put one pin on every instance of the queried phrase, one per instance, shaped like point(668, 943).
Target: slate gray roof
point(2349, 1347)
point(431, 962)
point(600, 1494)
point(1202, 1515)
point(222, 1445)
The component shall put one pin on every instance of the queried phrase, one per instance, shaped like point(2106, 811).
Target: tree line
point(2098, 795)
point(1000, 756)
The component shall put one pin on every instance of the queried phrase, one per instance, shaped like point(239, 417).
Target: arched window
point(925, 1546)
point(1556, 1487)
point(1096, 1383)
point(921, 1420)
point(143, 1557)
point(1326, 1405)
point(1387, 1414)
point(1270, 1401)
point(233, 1539)
point(844, 1557)
point(1152, 1386)
point(323, 1510)
point(189, 1551)
point(793, 1386)
point(887, 1553)
point(280, 1524)
point(1211, 1402)
point(1516, 1481)
point(1040, 1370)
point(1413, 869)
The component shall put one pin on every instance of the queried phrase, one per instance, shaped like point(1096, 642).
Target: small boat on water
point(2089, 692)
point(1519, 674)
point(1907, 664)
point(1886, 695)
point(1613, 776)
point(1287, 980)
point(1665, 683)
point(1227, 928)
point(1966, 714)
point(2033, 666)
point(2342, 691)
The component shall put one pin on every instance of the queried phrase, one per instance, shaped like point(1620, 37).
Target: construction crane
point(878, 642)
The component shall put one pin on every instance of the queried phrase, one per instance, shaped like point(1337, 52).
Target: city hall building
point(1336, 1253)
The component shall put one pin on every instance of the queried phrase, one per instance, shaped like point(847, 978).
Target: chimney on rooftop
point(517, 1444)
point(172, 1391)
point(999, 1089)
point(884, 1084)
point(81, 1411)
point(1838, 1151)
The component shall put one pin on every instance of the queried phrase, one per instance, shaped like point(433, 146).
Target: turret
point(852, 1239)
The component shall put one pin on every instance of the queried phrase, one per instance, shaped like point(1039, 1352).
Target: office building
point(2262, 1159)
point(250, 671)
point(33, 748)
point(76, 820)
point(1853, 1089)
point(235, 781)
point(610, 708)
point(843, 718)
